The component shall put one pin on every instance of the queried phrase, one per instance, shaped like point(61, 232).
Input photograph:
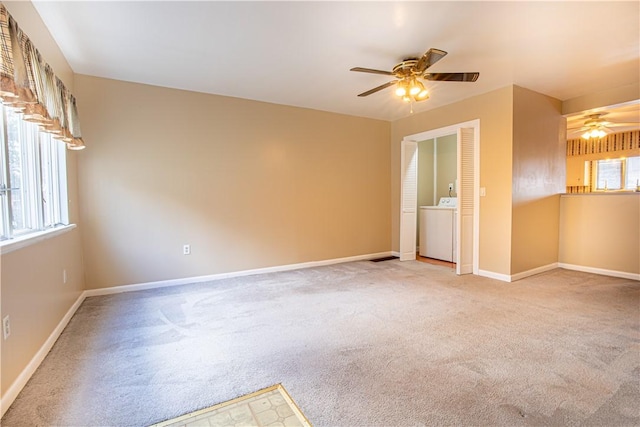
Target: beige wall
point(445, 170)
point(605, 98)
point(247, 184)
point(601, 231)
point(440, 168)
point(495, 110)
point(426, 178)
point(36, 298)
point(539, 145)
point(447, 165)
point(33, 293)
point(425, 173)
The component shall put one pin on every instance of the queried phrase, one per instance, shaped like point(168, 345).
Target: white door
point(466, 201)
point(409, 200)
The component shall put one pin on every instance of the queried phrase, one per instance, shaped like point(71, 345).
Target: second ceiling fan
point(409, 72)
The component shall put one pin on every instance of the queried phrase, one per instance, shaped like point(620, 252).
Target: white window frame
point(42, 186)
point(624, 175)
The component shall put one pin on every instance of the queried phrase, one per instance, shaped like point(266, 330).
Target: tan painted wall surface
point(601, 231)
point(425, 173)
point(605, 98)
point(35, 297)
point(539, 146)
point(33, 294)
point(447, 165)
point(246, 184)
point(425, 179)
point(494, 109)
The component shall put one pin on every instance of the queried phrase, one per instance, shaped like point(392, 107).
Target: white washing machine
point(438, 230)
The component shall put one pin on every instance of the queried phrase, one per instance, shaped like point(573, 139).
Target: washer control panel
point(448, 202)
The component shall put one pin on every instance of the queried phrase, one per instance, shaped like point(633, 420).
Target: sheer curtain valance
point(29, 85)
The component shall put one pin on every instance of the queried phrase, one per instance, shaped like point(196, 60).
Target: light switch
point(483, 191)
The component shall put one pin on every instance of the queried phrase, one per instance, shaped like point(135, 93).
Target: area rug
point(271, 406)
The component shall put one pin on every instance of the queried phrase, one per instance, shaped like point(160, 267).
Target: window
point(633, 173)
point(33, 178)
point(617, 174)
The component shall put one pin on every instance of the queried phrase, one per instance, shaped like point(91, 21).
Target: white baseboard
point(602, 271)
point(492, 275)
point(25, 375)
point(27, 372)
point(533, 271)
point(538, 270)
point(513, 277)
point(208, 278)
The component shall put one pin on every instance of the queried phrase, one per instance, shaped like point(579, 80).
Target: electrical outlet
point(186, 250)
point(6, 327)
point(451, 186)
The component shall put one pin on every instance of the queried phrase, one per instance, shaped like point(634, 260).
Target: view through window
point(618, 174)
point(33, 179)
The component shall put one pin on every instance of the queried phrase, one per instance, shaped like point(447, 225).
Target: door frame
point(437, 133)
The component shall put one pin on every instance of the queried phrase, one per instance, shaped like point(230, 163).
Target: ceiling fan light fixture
point(424, 94)
point(594, 133)
point(416, 87)
point(401, 90)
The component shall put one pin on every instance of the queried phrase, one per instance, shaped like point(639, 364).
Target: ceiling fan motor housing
point(406, 68)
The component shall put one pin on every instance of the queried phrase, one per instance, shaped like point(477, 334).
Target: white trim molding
point(496, 276)
point(513, 277)
point(534, 271)
point(219, 276)
point(20, 242)
point(602, 271)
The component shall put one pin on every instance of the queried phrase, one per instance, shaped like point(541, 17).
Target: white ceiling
point(300, 53)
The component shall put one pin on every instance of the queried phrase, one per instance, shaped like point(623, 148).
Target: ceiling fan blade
point(429, 58)
point(372, 71)
point(622, 123)
point(452, 77)
point(379, 88)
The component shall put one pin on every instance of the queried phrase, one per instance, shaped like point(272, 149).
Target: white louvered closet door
point(466, 201)
point(409, 201)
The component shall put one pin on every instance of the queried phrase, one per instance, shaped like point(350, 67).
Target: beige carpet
point(356, 344)
point(269, 407)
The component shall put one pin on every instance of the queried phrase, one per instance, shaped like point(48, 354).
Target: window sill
point(14, 244)
point(604, 193)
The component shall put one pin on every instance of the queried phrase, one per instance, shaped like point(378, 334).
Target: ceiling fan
point(596, 127)
point(409, 72)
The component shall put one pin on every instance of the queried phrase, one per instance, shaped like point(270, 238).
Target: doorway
point(468, 177)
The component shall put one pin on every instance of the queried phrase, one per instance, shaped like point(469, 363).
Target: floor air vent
point(387, 258)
